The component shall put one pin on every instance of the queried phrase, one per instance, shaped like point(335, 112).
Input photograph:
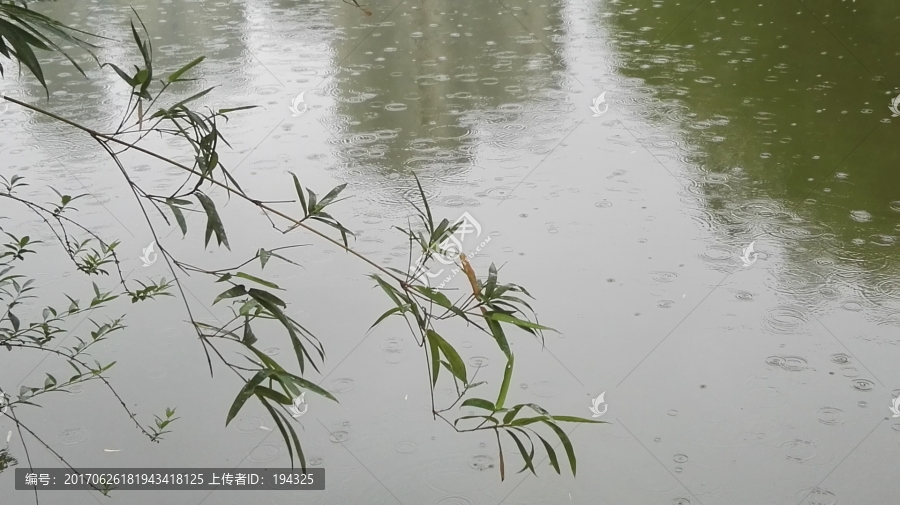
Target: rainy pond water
point(722, 123)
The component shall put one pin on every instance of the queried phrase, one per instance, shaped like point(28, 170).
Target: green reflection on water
point(786, 131)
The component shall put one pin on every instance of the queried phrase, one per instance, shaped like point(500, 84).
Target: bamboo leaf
point(213, 223)
point(245, 393)
point(567, 444)
point(305, 384)
point(387, 314)
point(435, 360)
point(528, 464)
point(504, 388)
point(479, 403)
point(551, 453)
point(300, 194)
point(506, 318)
point(272, 395)
point(573, 419)
point(231, 293)
point(280, 426)
point(257, 280)
point(456, 363)
point(178, 73)
point(499, 336)
point(179, 216)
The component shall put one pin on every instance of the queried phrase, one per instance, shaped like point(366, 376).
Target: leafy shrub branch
point(255, 305)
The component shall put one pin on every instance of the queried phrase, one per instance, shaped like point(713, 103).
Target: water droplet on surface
point(479, 361)
point(405, 447)
point(680, 458)
point(72, 436)
point(339, 436)
point(840, 359)
point(672, 413)
point(799, 450)
point(341, 385)
point(545, 389)
point(481, 462)
point(392, 345)
point(863, 404)
point(603, 204)
point(830, 416)
point(265, 453)
point(863, 385)
point(455, 500)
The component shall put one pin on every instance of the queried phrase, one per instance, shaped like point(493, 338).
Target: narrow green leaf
point(300, 194)
point(305, 384)
point(179, 216)
point(435, 360)
point(327, 199)
point(567, 444)
point(479, 403)
point(389, 312)
point(244, 394)
point(435, 296)
point(507, 376)
point(280, 425)
point(178, 73)
point(500, 337)
point(235, 109)
point(486, 418)
point(257, 280)
point(249, 338)
point(506, 318)
point(125, 77)
point(296, 440)
point(390, 290)
point(551, 453)
point(573, 419)
point(500, 451)
point(458, 365)
point(231, 293)
point(528, 463)
point(213, 223)
point(525, 421)
point(191, 98)
point(512, 413)
point(272, 395)
point(269, 297)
